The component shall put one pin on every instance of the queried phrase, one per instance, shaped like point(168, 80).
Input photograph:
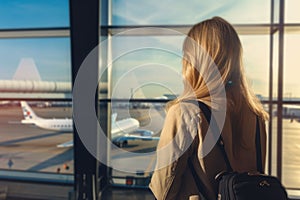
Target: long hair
point(210, 44)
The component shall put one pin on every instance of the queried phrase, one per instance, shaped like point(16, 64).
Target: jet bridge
point(38, 89)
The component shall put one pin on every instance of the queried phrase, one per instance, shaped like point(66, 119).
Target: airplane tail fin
point(114, 118)
point(27, 70)
point(27, 111)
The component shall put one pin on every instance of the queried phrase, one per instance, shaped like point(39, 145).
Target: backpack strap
point(212, 121)
point(215, 129)
point(199, 183)
point(258, 148)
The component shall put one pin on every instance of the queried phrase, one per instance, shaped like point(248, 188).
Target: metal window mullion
point(104, 109)
point(84, 20)
point(271, 90)
point(280, 89)
point(34, 33)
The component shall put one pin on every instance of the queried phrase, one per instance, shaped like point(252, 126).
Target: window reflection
point(135, 131)
point(146, 66)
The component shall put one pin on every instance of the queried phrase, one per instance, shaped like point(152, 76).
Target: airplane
point(121, 131)
point(63, 125)
point(291, 112)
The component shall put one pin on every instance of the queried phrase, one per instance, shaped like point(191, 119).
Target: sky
point(256, 47)
point(188, 12)
point(52, 55)
point(33, 13)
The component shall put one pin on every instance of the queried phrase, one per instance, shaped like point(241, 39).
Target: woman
point(213, 73)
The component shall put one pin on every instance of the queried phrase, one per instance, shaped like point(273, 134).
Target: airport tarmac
point(290, 152)
point(26, 147)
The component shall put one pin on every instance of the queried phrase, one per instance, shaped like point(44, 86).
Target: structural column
point(84, 20)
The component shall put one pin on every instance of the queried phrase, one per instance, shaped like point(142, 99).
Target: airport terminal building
point(84, 87)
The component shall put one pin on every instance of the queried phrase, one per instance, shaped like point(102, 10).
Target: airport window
point(262, 51)
point(153, 74)
point(291, 95)
point(141, 46)
point(35, 69)
point(291, 125)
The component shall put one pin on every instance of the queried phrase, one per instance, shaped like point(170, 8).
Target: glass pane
point(46, 59)
point(36, 145)
point(135, 131)
point(149, 68)
point(274, 121)
point(33, 14)
point(256, 63)
point(33, 142)
point(183, 12)
point(291, 88)
point(276, 10)
point(146, 67)
point(275, 64)
point(292, 14)
point(143, 67)
point(291, 113)
point(291, 148)
point(271, 140)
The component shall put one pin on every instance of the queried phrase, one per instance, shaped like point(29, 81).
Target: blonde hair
point(216, 38)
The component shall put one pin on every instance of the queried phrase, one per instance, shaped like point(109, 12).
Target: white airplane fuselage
point(63, 125)
point(124, 126)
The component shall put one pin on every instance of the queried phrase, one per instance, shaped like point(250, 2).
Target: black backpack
point(241, 186)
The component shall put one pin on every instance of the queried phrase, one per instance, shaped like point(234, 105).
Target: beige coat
point(172, 179)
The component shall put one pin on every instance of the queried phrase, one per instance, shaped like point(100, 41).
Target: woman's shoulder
point(187, 106)
point(184, 110)
point(180, 125)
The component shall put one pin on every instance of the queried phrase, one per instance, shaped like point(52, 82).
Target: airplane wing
point(66, 144)
point(120, 139)
point(14, 122)
point(136, 135)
